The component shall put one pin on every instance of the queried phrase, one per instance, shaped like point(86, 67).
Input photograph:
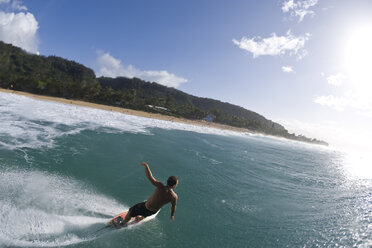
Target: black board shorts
point(140, 209)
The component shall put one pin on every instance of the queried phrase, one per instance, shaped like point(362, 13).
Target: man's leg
point(126, 219)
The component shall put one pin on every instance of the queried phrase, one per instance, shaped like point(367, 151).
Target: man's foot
point(118, 222)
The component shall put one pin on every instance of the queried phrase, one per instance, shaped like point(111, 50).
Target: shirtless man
point(161, 196)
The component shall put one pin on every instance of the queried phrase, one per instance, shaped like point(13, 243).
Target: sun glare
point(359, 165)
point(359, 58)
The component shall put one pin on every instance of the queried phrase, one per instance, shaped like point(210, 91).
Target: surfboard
point(115, 222)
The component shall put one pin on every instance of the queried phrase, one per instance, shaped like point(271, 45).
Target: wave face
point(66, 170)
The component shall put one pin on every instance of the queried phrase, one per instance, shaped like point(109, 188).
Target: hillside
point(178, 102)
point(56, 76)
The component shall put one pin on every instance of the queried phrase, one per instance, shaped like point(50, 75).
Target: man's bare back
point(162, 195)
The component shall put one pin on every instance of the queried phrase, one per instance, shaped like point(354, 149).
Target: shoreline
point(126, 111)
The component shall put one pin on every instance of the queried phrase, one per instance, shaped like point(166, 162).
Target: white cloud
point(14, 5)
point(352, 100)
point(111, 67)
point(336, 80)
point(274, 45)
point(328, 8)
point(357, 98)
point(20, 28)
point(17, 5)
point(299, 8)
point(287, 69)
point(338, 103)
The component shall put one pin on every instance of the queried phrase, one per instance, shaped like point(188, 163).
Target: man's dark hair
point(172, 180)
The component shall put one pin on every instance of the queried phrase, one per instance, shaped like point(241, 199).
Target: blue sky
point(301, 63)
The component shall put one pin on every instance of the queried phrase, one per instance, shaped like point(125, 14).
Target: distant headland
point(57, 77)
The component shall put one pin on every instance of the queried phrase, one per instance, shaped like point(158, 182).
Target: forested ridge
point(55, 76)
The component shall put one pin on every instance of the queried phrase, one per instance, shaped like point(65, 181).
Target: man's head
point(172, 181)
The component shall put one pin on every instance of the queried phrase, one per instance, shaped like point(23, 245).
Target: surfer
point(163, 195)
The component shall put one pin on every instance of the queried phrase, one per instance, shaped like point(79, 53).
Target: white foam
point(39, 209)
point(33, 123)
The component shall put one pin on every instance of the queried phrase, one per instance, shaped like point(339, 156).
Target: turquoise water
point(65, 170)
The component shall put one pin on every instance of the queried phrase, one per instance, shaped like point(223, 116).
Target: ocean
point(66, 170)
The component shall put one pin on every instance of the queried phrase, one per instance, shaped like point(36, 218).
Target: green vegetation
point(59, 77)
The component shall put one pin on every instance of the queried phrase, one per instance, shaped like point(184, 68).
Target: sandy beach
point(127, 111)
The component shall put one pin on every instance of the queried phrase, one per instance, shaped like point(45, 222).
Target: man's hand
point(172, 217)
point(153, 181)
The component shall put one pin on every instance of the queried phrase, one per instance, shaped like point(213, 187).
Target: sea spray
point(41, 209)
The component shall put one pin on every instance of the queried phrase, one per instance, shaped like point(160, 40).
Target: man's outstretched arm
point(149, 175)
